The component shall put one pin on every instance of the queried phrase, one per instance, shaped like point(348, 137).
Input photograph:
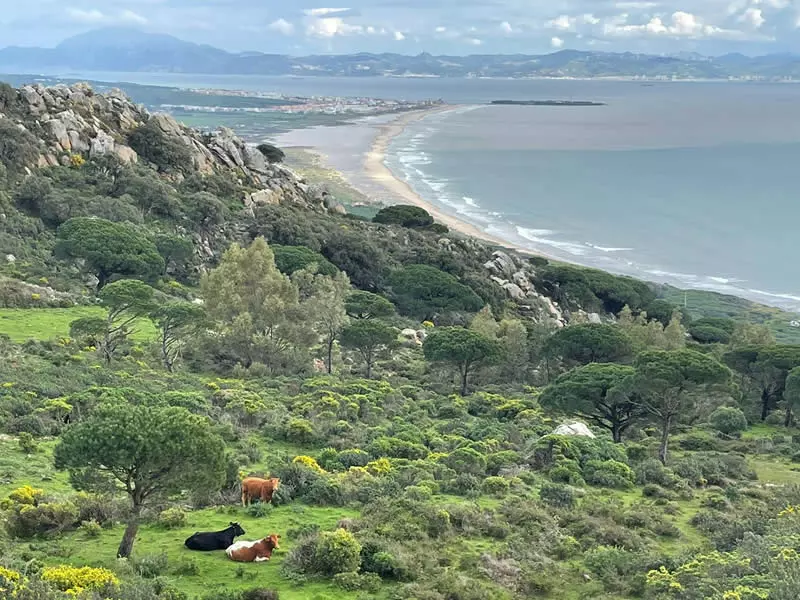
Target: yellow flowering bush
point(76, 580)
point(26, 495)
point(309, 462)
point(10, 582)
point(77, 161)
point(382, 466)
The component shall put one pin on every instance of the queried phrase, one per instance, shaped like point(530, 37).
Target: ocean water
point(693, 184)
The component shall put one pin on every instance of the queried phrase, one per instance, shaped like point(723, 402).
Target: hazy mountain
point(118, 49)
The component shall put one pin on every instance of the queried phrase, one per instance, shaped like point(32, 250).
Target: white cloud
point(441, 29)
point(281, 26)
point(324, 23)
point(506, 27)
point(562, 23)
point(474, 42)
point(557, 42)
point(568, 23)
point(399, 36)
point(753, 17)
point(96, 17)
point(323, 12)
point(680, 25)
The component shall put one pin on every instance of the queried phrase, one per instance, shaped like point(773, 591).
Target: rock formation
point(70, 120)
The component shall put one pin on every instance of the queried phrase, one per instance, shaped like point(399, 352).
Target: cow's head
point(275, 483)
point(272, 541)
point(237, 529)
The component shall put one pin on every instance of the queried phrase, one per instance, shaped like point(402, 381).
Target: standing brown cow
point(254, 488)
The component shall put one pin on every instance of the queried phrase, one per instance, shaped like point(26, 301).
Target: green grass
point(22, 324)
point(215, 570)
point(18, 469)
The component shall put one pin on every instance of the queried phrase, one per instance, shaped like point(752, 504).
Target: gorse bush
point(728, 420)
point(76, 580)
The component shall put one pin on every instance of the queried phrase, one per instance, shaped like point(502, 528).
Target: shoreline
point(377, 172)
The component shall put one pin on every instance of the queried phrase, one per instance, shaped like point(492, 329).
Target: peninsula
point(546, 103)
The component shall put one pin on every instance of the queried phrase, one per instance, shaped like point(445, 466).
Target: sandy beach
point(376, 170)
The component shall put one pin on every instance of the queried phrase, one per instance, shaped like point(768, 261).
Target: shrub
point(172, 518)
point(557, 495)
point(404, 215)
point(101, 509)
point(608, 473)
point(91, 529)
point(653, 472)
point(259, 510)
point(26, 521)
point(698, 440)
point(308, 462)
point(728, 420)
point(188, 568)
point(497, 486)
point(300, 431)
point(271, 153)
point(150, 566)
point(337, 552)
point(417, 493)
point(27, 443)
point(353, 582)
point(26, 495)
point(76, 580)
point(353, 458)
point(10, 581)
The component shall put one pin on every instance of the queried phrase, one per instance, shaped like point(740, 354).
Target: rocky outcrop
point(515, 277)
point(71, 120)
point(574, 428)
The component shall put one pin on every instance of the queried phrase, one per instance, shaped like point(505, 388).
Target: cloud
point(329, 23)
point(441, 29)
point(753, 17)
point(568, 23)
point(506, 27)
point(323, 12)
point(96, 17)
point(474, 42)
point(399, 36)
point(281, 26)
point(680, 25)
point(557, 42)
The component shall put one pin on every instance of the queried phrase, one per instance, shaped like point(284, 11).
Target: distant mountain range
point(127, 50)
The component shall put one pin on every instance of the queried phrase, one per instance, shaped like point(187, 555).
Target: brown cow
point(254, 488)
point(258, 551)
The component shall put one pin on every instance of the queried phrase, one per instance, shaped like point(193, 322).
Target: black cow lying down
point(214, 540)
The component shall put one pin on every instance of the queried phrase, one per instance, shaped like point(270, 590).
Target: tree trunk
point(464, 379)
point(789, 416)
point(126, 545)
point(765, 397)
point(168, 364)
point(616, 432)
point(102, 280)
point(368, 360)
point(663, 449)
point(329, 362)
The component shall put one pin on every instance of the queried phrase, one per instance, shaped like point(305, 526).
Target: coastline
point(377, 172)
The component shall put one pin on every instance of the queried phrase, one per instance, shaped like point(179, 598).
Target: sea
point(695, 184)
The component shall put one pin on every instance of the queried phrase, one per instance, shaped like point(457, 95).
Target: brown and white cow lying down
point(257, 551)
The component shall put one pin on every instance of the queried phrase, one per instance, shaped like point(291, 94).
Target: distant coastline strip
point(546, 103)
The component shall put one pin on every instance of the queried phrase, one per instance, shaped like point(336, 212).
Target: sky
point(457, 27)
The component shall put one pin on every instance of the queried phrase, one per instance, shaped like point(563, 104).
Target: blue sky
point(437, 26)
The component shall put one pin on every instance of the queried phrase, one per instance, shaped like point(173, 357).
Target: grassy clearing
point(22, 324)
point(214, 570)
point(18, 469)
